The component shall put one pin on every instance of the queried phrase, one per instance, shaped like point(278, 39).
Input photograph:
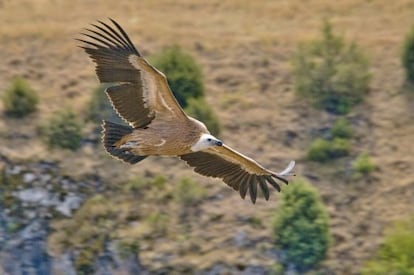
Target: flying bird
point(158, 126)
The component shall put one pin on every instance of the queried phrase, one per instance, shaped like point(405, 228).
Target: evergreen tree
point(183, 74)
point(396, 255)
point(301, 226)
point(331, 73)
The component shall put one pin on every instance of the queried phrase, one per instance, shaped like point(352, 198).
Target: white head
point(206, 141)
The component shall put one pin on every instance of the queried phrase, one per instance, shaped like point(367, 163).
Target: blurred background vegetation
point(327, 84)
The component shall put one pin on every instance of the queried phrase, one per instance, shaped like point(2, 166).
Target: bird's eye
point(209, 139)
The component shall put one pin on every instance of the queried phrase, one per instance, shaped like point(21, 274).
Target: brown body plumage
point(158, 125)
point(173, 139)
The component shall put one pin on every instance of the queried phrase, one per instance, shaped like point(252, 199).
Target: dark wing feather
point(263, 187)
point(110, 50)
point(128, 108)
point(236, 170)
point(244, 185)
point(253, 188)
point(140, 93)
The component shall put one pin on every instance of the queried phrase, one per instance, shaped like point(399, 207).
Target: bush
point(200, 110)
point(63, 130)
point(183, 74)
point(319, 150)
point(322, 150)
point(20, 99)
point(301, 226)
point(331, 73)
point(363, 164)
point(407, 57)
point(341, 129)
point(396, 255)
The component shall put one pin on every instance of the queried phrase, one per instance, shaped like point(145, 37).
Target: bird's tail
point(111, 134)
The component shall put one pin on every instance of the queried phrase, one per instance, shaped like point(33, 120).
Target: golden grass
point(215, 22)
point(245, 49)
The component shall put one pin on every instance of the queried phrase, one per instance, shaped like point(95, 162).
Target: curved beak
point(219, 143)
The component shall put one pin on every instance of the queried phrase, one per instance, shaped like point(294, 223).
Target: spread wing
point(140, 92)
point(238, 171)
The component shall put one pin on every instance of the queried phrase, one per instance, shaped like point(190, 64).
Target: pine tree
point(301, 226)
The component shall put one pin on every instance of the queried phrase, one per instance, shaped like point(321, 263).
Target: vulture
point(158, 126)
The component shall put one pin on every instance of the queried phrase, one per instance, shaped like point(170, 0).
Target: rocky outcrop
point(31, 195)
point(25, 251)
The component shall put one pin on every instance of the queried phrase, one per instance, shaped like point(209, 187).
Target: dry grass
point(245, 49)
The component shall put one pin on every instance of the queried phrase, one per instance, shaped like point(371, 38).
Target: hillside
point(245, 50)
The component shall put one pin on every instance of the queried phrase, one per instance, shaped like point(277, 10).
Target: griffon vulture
point(158, 125)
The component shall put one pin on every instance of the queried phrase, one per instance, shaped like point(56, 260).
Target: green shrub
point(340, 147)
point(322, 150)
point(341, 129)
point(407, 57)
point(363, 164)
point(20, 99)
point(183, 73)
point(188, 192)
point(396, 255)
point(63, 131)
point(319, 150)
point(331, 73)
point(200, 110)
point(301, 226)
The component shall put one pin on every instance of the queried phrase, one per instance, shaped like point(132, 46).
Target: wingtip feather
point(288, 169)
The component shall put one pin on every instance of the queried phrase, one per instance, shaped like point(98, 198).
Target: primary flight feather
point(158, 125)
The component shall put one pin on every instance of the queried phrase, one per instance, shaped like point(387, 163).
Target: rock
point(216, 269)
point(26, 253)
point(2, 230)
point(63, 264)
point(47, 165)
point(15, 170)
point(29, 178)
point(240, 239)
point(254, 270)
point(131, 265)
point(291, 270)
point(45, 178)
point(24, 250)
point(110, 262)
point(35, 195)
point(70, 203)
point(220, 268)
point(32, 195)
point(30, 214)
point(32, 231)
